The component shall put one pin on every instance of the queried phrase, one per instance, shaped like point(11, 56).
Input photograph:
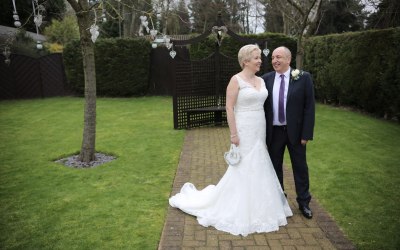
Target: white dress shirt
point(275, 99)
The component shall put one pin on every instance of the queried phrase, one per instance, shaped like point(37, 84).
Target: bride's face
point(254, 61)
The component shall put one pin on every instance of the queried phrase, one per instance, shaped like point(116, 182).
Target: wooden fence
point(26, 77)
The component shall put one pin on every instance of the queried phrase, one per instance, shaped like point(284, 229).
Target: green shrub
point(62, 31)
point(357, 69)
point(122, 66)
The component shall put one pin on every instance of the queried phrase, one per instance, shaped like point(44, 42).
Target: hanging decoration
point(162, 39)
point(172, 53)
point(266, 50)
point(103, 15)
point(38, 14)
point(7, 54)
point(94, 31)
point(144, 24)
point(94, 28)
point(38, 11)
point(17, 23)
point(219, 33)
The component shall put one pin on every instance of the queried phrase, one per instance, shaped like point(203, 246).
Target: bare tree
point(299, 19)
point(131, 11)
point(83, 12)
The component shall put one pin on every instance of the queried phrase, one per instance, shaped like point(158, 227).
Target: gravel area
point(73, 161)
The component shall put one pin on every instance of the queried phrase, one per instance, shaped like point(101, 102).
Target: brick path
point(202, 163)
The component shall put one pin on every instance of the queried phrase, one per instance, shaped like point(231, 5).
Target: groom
point(290, 115)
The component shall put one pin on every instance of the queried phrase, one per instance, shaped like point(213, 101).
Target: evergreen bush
point(358, 69)
point(122, 66)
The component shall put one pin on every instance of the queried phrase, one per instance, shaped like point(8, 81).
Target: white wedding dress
point(248, 198)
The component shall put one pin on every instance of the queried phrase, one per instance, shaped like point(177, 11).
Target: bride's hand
point(235, 140)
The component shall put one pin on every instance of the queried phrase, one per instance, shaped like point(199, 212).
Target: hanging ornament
point(103, 16)
point(17, 23)
point(39, 45)
point(38, 19)
point(143, 24)
point(7, 54)
point(219, 33)
point(37, 16)
point(172, 53)
point(168, 43)
point(266, 52)
point(153, 33)
point(94, 30)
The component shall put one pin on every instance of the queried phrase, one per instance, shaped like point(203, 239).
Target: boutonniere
point(296, 74)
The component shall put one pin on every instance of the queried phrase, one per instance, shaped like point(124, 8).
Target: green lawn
point(354, 164)
point(119, 205)
point(354, 167)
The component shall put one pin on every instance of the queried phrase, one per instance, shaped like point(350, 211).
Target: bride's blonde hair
point(245, 53)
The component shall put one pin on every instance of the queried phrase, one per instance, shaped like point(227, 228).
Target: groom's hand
point(303, 142)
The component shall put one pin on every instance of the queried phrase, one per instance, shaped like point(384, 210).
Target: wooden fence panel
point(27, 77)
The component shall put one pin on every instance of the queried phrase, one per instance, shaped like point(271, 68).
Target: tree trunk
point(87, 152)
point(300, 52)
point(127, 17)
point(89, 130)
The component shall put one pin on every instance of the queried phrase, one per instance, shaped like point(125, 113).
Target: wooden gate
point(199, 86)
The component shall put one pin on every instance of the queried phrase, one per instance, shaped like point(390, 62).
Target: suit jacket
point(300, 108)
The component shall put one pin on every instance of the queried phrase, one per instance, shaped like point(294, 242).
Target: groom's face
point(280, 60)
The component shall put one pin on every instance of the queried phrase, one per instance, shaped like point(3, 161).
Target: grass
point(354, 163)
point(119, 205)
point(353, 160)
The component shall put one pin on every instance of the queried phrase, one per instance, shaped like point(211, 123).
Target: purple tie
point(281, 106)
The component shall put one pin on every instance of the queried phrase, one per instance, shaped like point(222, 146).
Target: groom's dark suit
point(300, 117)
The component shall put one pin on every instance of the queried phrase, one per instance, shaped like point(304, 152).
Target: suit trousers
point(297, 152)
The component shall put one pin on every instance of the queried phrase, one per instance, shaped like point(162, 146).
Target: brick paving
point(202, 163)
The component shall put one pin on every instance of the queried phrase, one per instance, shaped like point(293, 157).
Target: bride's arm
point(232, 92)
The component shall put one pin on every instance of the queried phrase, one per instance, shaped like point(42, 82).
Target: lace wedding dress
point(248, 198)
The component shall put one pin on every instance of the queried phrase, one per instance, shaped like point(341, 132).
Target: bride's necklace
point(252, 81)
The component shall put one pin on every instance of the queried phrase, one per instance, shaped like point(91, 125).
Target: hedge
point(230, 46)
point(122, 67)
point(359, 69)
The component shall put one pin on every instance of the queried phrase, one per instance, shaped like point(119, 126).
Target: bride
point(248, 198)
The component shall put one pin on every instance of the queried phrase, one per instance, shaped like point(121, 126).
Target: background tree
point(204, 13)
point(387, 15)
point(299, 18)
point(273, 18)
point(341, 16)
point(250, 14)
point(179, 21)
point(336, 16)
point(131, 11)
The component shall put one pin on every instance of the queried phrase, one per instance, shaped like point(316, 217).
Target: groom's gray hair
point(287, 51)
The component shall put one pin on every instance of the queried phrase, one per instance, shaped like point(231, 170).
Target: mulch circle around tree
point(74, 162)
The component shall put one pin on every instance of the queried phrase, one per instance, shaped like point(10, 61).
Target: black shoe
point(306, 211)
